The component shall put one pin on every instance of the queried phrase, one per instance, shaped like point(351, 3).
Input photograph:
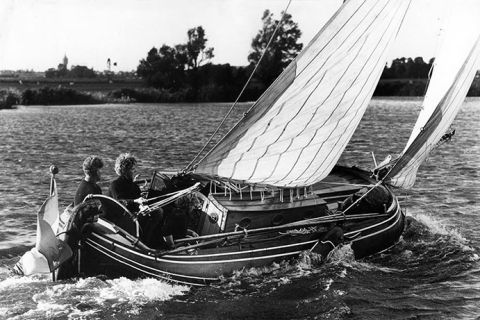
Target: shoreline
point(84, 92)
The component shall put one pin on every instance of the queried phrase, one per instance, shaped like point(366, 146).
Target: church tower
point(65, 61)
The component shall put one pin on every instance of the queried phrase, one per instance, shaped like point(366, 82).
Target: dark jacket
point(85, 188)
point(125, 189)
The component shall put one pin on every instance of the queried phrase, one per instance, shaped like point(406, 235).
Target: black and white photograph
point(239, 159)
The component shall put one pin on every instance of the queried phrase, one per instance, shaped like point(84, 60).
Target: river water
point(433, 273)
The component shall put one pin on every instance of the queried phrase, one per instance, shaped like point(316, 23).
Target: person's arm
point(78, 195)
point(113, 190)
point(169, 241)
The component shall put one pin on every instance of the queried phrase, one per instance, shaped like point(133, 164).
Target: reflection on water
point(434, 272)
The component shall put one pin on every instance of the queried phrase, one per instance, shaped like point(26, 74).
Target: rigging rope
point(172, 197)
point(190, 165)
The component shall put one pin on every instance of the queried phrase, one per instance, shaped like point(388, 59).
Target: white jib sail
point(453, 72)
point(295, 133)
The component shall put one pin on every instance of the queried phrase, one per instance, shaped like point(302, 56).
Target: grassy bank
point(9, 99)
point(67, 96)
point(88, 85)
point(90, 92)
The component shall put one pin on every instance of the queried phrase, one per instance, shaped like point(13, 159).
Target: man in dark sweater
point(128, 193)
point(91, 169)
point(124, 188)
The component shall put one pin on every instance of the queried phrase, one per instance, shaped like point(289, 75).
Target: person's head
point(91, 168)
point(182, 203)
point(125, 165)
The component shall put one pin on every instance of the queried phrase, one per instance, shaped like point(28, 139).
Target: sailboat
point(271, 188)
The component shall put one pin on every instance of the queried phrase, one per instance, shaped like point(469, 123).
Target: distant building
point(65, 61)
point(64, 65)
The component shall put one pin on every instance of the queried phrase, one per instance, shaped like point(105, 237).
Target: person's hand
point(140, 201)
point(143, 208)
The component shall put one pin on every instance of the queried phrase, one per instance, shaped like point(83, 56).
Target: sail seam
point(316, 132)
point(219, 151)
point(313, 116)
point(353, 118)
point(280, 108)
point(308, 98)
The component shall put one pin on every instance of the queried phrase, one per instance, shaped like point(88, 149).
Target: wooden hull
point(199, 269)
point(113, 248)
point(107, 253)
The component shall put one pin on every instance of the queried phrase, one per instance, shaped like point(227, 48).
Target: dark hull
point(107, 253)
point(272, 234)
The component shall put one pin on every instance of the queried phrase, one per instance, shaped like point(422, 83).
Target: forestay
point(295, 133)
point(453, 72)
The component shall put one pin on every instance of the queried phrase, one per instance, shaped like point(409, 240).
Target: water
point(433, 273)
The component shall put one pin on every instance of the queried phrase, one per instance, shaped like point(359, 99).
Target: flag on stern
point(49, 251)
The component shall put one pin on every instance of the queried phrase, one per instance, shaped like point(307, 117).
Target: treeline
point(404, 77)
point(219, 83)
point(185, 71)
point(409, 77)
point(407, 68)
point(175, 69)
point(8, 99)
point(74, 72)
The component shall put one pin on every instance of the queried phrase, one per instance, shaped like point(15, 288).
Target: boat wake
point(307, 265)
point(83, 298)
point(429, 250)
point(436, 226)
point(425, 229)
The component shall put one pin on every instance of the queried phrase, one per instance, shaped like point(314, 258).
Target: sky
point(36, 34)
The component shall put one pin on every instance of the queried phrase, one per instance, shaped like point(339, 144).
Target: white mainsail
point(295, 133)
point(453, 72)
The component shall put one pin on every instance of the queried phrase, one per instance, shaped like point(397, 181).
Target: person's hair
point(91, 165)
point(182, 202)
point(124, 163)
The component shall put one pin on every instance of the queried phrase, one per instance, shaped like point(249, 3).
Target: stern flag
point(49, 251)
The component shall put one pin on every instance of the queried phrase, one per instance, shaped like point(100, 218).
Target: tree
point(398, 68)
point(51, 73)
point(283, 49)
point(196, 49)
point(82, 72)
point(163, 68)
point(166, 67)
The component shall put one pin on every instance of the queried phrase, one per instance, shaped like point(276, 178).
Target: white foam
point(439, 226)
point(278, 274)
point(86, 297)
point(328, 284)
point(15, 281)
point(141, 291)
point(342, 254)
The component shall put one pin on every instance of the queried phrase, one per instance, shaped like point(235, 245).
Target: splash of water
point(87, 298)
point(439, 227)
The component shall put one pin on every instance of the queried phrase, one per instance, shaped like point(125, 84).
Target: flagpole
point(53, 172)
